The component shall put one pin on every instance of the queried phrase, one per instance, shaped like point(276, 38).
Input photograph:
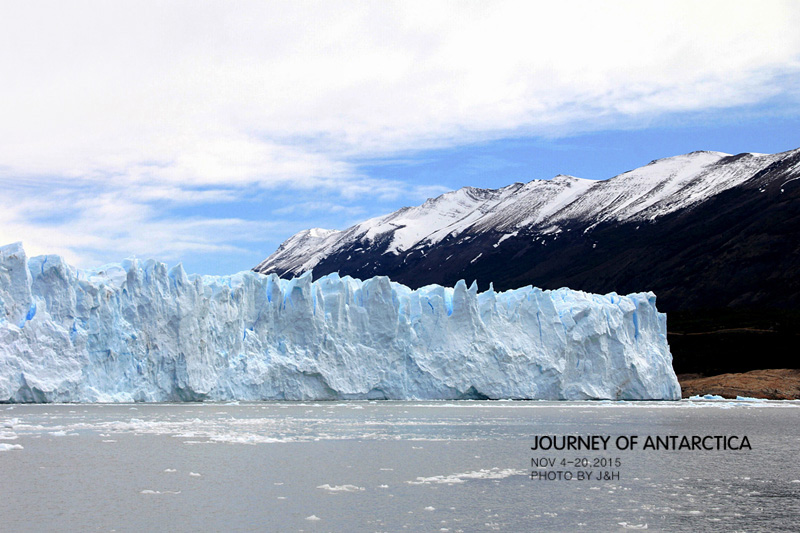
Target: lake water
point(392, 466)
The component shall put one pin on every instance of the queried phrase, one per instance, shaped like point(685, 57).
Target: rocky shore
point(771, 384)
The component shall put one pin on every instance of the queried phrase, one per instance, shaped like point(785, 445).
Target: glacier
point(140, 332)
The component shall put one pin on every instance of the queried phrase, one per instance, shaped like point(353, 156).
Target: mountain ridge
point(564, 200)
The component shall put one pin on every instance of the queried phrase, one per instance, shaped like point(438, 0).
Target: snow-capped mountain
point(547, 232)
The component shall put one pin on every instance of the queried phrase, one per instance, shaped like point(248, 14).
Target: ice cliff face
point(137, 331)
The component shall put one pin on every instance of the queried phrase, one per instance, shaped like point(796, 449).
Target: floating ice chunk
point(340, 488)
point(4, 447)
point(491, 473)
point(195, 474)
point(706, 397)
point(313, 518)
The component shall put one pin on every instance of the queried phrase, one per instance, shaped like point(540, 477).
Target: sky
point(209, 132)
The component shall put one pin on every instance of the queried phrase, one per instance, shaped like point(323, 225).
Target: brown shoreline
point(770, 384)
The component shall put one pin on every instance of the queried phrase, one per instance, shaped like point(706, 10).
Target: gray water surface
point(391, 466)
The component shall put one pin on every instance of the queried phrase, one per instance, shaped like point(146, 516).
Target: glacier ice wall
point(136, 331)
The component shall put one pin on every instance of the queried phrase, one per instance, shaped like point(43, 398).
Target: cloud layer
point(117, 116)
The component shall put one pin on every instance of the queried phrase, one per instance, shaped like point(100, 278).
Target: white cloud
point(88, 227)
point(187, 102)
point(216, 91)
